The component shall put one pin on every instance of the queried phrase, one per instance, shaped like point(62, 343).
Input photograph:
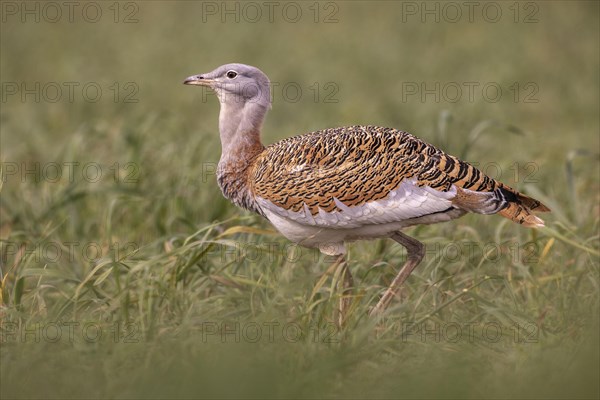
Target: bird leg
point(416, 251)
point(346, 283)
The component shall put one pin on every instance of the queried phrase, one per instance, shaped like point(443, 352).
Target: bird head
point(236, 83)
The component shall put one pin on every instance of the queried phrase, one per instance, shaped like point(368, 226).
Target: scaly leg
point(416, 251)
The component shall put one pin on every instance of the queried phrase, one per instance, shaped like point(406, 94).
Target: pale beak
point(198, 80)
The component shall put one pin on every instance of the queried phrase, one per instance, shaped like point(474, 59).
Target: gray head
point(237, 83)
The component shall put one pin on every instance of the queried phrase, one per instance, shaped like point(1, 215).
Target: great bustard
point(337, 185)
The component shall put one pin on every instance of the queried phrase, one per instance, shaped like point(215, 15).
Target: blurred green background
point(141, 244)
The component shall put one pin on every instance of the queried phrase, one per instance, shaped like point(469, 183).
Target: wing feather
point(361, 175)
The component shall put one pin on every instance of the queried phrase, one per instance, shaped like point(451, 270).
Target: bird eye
point(231, 74)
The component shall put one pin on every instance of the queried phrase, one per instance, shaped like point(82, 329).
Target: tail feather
point(478, 193)
point(531, 204)
point(522, 215)
point(521, 209)
point(504, 201)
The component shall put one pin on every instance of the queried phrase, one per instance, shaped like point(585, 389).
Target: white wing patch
point(298, 168)
point(406, 202)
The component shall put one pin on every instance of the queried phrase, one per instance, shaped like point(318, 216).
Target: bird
point(327, 188)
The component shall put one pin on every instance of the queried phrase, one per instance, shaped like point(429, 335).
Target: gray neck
point(240, 123)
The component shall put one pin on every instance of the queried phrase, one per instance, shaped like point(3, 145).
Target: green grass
point(195, 298)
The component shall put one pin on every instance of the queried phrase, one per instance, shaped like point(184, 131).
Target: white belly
point(331, 240)
point(405, 206)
